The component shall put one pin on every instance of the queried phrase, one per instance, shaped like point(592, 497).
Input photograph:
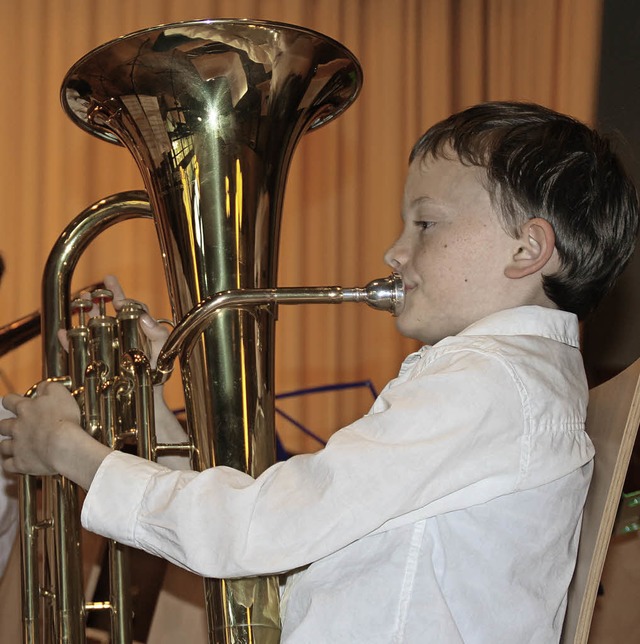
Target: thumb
point(156, 333)
point(63, 339)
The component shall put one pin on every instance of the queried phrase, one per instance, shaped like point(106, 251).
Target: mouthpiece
point(386, 294)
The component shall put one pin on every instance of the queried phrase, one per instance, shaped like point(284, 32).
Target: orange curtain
point(422, 59)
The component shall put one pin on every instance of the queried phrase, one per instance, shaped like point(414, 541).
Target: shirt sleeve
point(453, 436)
point(8, 507)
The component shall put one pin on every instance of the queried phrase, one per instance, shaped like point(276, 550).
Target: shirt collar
point(541, 321)
point(530, 320)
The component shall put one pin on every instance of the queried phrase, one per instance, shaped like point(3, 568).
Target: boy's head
point(555, 189)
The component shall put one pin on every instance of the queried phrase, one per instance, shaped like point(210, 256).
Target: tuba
point(212, 112)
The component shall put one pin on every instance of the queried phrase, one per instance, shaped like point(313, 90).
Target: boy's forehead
point(431, 179)
point(446, 187)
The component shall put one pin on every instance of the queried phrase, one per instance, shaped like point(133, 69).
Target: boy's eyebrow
point(415, 203)
point(436, 207)
point(418, 200)
point(427, 200)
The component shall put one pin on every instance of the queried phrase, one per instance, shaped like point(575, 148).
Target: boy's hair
point(540, 163)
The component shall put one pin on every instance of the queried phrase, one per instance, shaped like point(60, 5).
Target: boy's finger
point(111, 282)
point(153, 330)
point(6, 429)
point(9, 402)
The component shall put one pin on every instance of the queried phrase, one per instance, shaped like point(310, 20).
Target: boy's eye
point(424, 225)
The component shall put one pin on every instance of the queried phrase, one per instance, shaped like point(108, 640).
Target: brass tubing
point(70, 613)
point(136, 366)
point(62, 261)
point(14, 334)
point(19, 331)
point(384, 294)
point(62, 575)
point(28, 490)
point(119, 594)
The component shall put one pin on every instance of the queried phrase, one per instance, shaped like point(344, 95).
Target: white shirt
point(8, 507)
point(450, 513)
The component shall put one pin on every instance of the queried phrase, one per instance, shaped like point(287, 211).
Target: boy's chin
point(414, 332)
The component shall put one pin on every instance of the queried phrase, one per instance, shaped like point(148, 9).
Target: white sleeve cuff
point(115, 495)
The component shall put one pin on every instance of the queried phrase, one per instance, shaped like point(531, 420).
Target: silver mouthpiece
point(386, 294)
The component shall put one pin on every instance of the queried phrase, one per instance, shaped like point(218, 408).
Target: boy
point(451, 512)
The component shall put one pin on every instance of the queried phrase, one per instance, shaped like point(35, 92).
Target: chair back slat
point(613, 417)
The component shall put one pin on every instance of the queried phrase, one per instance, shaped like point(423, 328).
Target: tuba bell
point(212, 112)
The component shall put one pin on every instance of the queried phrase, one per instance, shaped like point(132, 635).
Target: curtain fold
point(422, 59)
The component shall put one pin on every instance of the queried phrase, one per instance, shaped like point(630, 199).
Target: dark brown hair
point(540, 163)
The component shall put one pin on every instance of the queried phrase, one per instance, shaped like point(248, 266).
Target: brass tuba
point(212, 112)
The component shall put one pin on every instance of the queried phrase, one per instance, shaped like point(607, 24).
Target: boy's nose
point(393, 257)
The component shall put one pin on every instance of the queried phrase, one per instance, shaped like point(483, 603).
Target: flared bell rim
point(81, 118)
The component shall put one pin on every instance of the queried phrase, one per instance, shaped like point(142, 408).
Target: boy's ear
point(534, 250)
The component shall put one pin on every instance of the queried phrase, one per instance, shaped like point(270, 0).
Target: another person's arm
point(8, 509)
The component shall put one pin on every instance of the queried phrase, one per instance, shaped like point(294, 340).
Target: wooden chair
point(613, 417)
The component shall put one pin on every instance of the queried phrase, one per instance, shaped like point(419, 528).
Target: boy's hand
point(46, 438)
point(168, 430)
point(156, 333)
